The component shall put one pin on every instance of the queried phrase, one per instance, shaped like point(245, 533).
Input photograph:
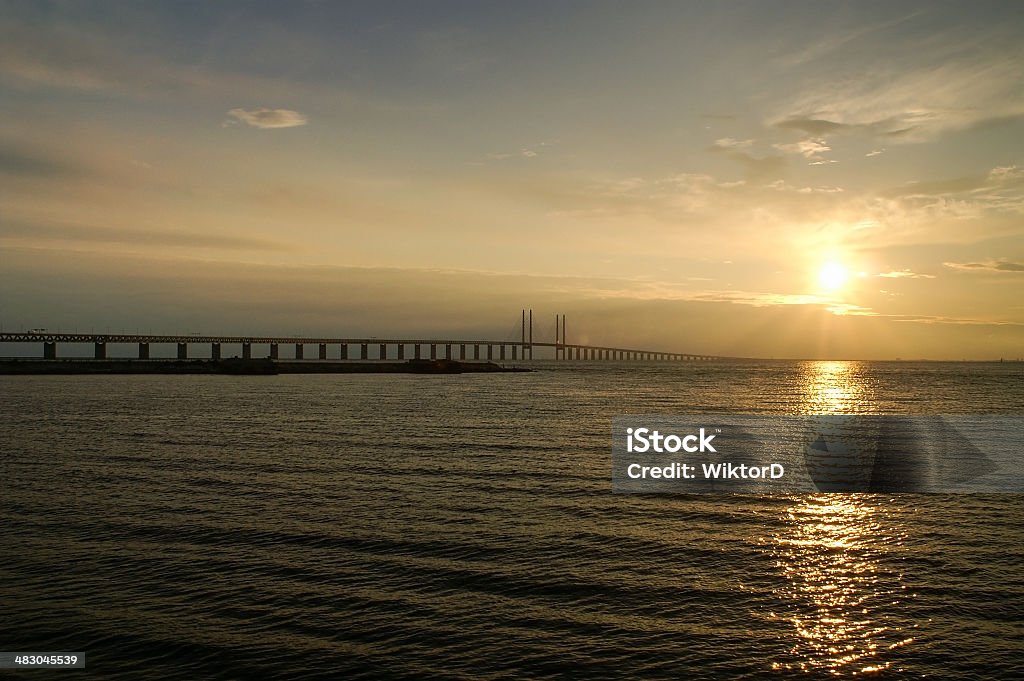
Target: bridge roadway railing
point(517, 349)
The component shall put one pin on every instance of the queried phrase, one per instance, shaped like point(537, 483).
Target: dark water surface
point(402, 526)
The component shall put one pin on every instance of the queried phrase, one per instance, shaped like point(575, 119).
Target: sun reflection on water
point(835, 388)
point(840, 599)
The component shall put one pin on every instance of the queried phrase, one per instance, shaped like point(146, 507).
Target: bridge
point(339, 348)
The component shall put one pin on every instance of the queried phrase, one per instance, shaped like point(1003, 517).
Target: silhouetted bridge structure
point(358, 348)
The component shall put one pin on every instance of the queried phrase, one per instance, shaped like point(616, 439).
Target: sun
point(832, 276)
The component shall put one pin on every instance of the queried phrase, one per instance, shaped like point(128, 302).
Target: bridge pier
point(514, 352)
point(275, 351)
point(501, 351)
point(214, 351)
point(433, 351)
point(490, 352)
point(182, 350)
point(100, 350)
point(50, 350)
point(417, 351)
point(364, 351)
point(344, 351)
point(462, 351)
point(323, 351)
point(246, 350)
point(448, 351)
point(476, 351)
point(299, 350)
point(401, 351)
point(143, 350)
point(383, 351)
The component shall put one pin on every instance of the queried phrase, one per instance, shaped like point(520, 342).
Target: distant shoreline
point(240, 367)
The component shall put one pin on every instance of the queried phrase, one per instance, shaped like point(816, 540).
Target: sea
point(392, 526)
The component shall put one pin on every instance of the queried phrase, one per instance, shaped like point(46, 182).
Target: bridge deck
point(46, 337)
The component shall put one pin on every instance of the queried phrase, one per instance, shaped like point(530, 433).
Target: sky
point(768, 179)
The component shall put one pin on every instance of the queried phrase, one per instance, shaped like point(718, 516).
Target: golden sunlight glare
point(832, 276)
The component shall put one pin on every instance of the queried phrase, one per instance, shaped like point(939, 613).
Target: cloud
point(762, 299)
point(757, 167)
point(40, 232)
point(269, 118)
point(532, 151)
point(989, 266)
point(20, 161)
point(834, 41)
point(904, 274)
point(728, 143)
point(915, 98)
point(874, 152)
point(1005, 180)
point(810, 148)
point(810, 125)
point(931, 319)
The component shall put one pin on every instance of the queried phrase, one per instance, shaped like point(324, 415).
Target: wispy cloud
point(19, 160)
point(763, 299)
point(268, 118)
point(914, 95)
point(531, 151)
point(904, 274)
point(757, 167)
point(811, 148)
point(929, 319)
point(44, 232)
point(836, 40)
point(1001, 187)
point(988, 266)
point(730, 144)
